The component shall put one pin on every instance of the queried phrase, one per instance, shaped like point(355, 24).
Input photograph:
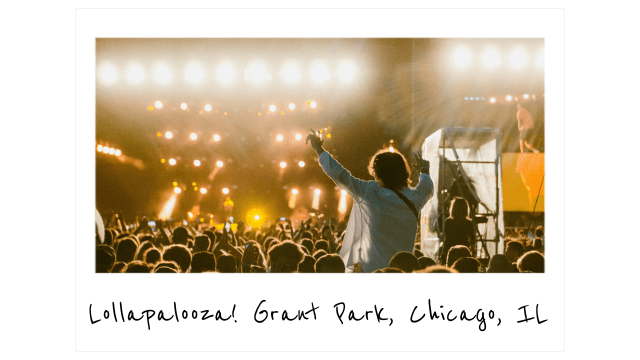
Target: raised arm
point(425, 184)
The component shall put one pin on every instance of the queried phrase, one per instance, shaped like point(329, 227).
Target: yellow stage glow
point(225, 191)
point(118, 152)
point(225, 113)
point(301, 164)
point(283, 164)
point(313, 104)
point(168, 134)
point(158, 104)
point(256, 217)
point(196, 162)
point(162, 161)
point(317, 191)
point(346, 71)
point(203, 191)
point(328, 136)
point(315, 203)
point(292, 106)
point(342, 205)
point(462, 56)
point(172, 161)
point(195, 188)
point(105, 149)
point(193, 183)
point(294, 191)
point(216, 137)
point(279, 137)
point(99, 148)
point(259, 114)
point(150, 107)
point(219, 163)
point(165, 214)
point(159, 134)
point(177, 190)
point(207, 107)
point(175, 183)
point(272, 108)
point(190, 215)
point(161, 73)
point(193, 136)
point(183, 106)
point(225, 72)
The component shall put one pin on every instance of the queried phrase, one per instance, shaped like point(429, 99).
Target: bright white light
point(509, 98)
point(342, 205)
point(225, 191)
point(112, 151)
point(462, 56)
point(225, 72)
point(540, 59)
point(168, 134)
point(177, 190)
point(294, 191)
point(161, 73)
point(283, 164)
point(193, 136)
point(107, 73)
point(105, 149)
point(203, 190)
point(298, 136)
point(255, 73)
point(183, 106)
point(135, 74)
point(272, 108)
point(343, 192)
point(319, 72)
point(346, 71)
point(207, 107)
point(158, 104)
point(317, 191)
point(313, 104)
point(99, 148)
point(491, 58)
point(518, 57)
point(493, 100)
point(194, 73)
point(216, 137)
point(256, 217)
point(291, 72)
point(526, 96)
point(196, 162)
point(118, 152)
point(219, 164)
point(301, 164)
point(172, 161)
point(292, 106)
point(315, 203)
point(279, 137)
point(392, 149)
point(267, 76)
point(190, 214)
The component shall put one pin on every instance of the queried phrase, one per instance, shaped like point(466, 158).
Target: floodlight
point(462, 56)
point(346, 71)
point(107, 73)
point(161, 73)
point(518, 57)
point(225, 72)
point(194, 73)
point(491, 58)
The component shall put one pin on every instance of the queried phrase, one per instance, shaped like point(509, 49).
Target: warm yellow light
point(161, 73)
point(518, 57)
point(159, 134)
point(526, 96)
point(219, 163)
point(509, 98)
point(328, 136)
point(225, 191)
point(190, 215)
point(193, 136)
point(392, 149)
point(159, 104)
point(313, 104)
point(301, 164)
point(343, 192)
point(162, 161)
point(195, 188)
point(492, 100)
point(279, 137)
point(168, 134)
point(175, 183)
point(118, 152)
point(135, 74)
point(193, 183)
point(207, 107)
point(225, 72)
point(272, 108)
point(291, 72)
point(256, 217)
point(183, 106)
point(346, 71)
point(150, 107)
point(283, 164)
point(196, 162)
point(194, 72)
point(294, 191)
point(319, 72)
point(298, 136)
point(259, 114)
point(255, 73)
point(342, 205)
point(112, 151)
point(177, 190)
point(225, 113)
point(172, 161)
point(292, 106)
point(203, 191)
point(107, 73)
point(105, 149)
point(99, 148)
point(281, 112)
point(165, 214)
point(317, 191)
point(462, 56)
point(216, 137)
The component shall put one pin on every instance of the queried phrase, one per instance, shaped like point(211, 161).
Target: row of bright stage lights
point(492, 58)
point(505, 99)
point(108, 150)
point(193, 136)
point(255, 72)
point(219, 163)
point(178, 189)
point(207, 107)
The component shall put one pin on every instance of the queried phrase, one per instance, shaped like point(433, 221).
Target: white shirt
point(381, 224)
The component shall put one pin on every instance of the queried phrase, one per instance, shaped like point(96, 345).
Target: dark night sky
point(405, 90)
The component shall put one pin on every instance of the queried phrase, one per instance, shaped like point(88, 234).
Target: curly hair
point(390, 168)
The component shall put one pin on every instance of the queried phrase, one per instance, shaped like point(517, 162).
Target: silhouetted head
point(226, 264)
point(180, 254)
point(318, 254)
point(459, 209)
point(126, 250)
point(144, 246)
point(285, 257)
point(201, 243)
point(500, 264)
point(331, 263)
point(457, 252)
point(137, 266)
point(180, 236)
point(390, 169)
point(405, 261)
point(438, 269)
point(467, 265)
point(118, 267)
point(203, 261)
point(105, 257)
point(514, 250)
point(425, 262)
point(388, 270)
point(152, 256)
point(321, 245)
point(308, 265)
point(532, 261)
point(167, 264)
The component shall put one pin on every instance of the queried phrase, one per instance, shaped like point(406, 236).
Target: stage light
point(540, 59)
point(225, 72)
point(255, 73)
point(272, 108)
point(99, 148)
point(526, 96)
point(346, 71)
point(298, 136)
point(219, 164)
point(492, 100)
point(118, 152)
point(279, 137)
point(193, 136)
point(175, 183)
point(328, 136)
point(267, 76)
point(294, 191)
point(193, 183)
point(190, 215)
point(107, 73)
point(319, 72)
point(177, 190)
point(195, 188)
point(518, 57)
point(196, 162)
point(259, 114)
point(194, 73)
point(462, 56)
point(105, 149)
point(509, 98)
point(291, 72)
point(135, 74)
point(161, 73)
point(183, 106)
point(203, 191)
point(292, 106)
point(168, 134)
point(301, 164)
point(283, 164)
point(342, 205)
point(313, 104)
point(317, 191)
point(207, 107)
point(172, 161)
point(216, 137)
point(315, 203)
point(392, 149)
point(159, 104)
point(256, 217)
point(165, 214)
point(162, 161)
point(225, 191)
point(159, 134)
point(491, 58)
